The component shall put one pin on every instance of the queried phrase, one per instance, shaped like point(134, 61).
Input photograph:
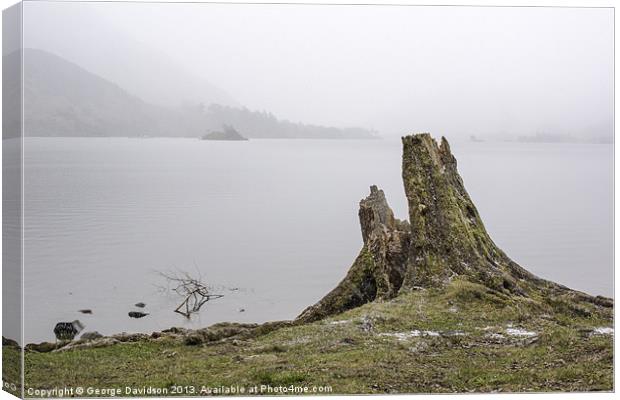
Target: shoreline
point(463, 338)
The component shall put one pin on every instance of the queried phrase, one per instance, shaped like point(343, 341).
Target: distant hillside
point(119, 56)
point(63, 99)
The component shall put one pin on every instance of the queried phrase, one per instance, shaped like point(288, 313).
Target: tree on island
point(228, 133)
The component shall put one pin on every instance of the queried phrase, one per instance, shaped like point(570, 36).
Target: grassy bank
point(464, 338)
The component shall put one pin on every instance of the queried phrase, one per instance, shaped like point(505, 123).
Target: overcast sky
point(449, 70)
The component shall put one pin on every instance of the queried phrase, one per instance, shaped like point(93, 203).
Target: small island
point(228, 133)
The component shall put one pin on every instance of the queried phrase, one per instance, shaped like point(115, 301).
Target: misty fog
point(456, 71)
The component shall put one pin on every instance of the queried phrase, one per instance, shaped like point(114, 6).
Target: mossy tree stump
point(444, 238)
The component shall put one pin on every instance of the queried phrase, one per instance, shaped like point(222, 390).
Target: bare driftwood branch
point(194, 292)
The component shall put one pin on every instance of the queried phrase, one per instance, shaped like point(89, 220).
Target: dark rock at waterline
point(68, 330)
point(140, 305)
point(86, 311)
point(137, 314)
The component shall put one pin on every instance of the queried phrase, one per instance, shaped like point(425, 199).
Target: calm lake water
point(276, 219)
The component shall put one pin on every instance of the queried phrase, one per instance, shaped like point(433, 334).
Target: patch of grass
point(275, 378)
point(11, 369)
point(569, 308)
point(370, 358)
point(274, 348)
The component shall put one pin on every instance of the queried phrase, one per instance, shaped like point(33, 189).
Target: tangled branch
point(193, 291)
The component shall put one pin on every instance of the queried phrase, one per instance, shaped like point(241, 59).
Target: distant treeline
point(257, 124)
